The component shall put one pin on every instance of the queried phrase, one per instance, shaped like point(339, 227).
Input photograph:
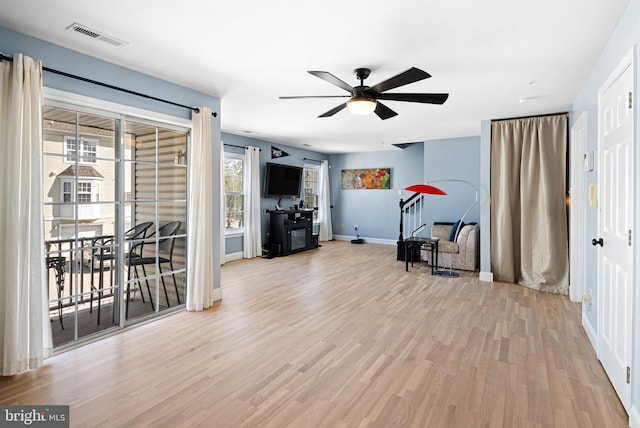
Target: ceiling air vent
point(83, 29)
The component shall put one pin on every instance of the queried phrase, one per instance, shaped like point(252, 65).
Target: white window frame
point(81, 150)
point(66, 191)
point(315, 168)
point(84, 190)
point(93, 183)
point(235, 231)
point(87, 209)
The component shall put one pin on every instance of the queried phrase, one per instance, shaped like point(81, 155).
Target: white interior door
point(615, 214)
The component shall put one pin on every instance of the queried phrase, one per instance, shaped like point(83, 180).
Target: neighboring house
point(95, 181)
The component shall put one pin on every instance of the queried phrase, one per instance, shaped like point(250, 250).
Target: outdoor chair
point(139, 257)
point(102, 250)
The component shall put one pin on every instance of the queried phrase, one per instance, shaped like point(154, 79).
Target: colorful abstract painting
point(370, 178)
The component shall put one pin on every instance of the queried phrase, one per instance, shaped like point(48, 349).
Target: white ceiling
point(486, 54)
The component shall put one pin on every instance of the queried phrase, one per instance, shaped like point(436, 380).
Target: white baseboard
point(634, 417)
point(217, 294)
point(366, 240)
point(486, 276)
point(233, 256)
point(591, 333)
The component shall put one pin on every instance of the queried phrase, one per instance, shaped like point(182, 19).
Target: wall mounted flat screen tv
point(282, 180)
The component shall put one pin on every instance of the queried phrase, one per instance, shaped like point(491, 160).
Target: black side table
point(419, 242)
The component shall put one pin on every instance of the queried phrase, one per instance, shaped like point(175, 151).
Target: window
point(66, 191)
point(311, 188)
point(84, 191)
point(87, 191)
point(233, 190)
point(88, 150)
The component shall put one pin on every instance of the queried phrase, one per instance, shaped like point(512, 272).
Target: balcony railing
point(72, 272)
point(82, 289)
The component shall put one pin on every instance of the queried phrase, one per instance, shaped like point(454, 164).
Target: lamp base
point(446, 273)
point(357, 241)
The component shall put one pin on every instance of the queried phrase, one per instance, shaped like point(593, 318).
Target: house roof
point(85, 171)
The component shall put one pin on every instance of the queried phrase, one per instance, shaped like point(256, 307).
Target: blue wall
point(627, 34)
point(624, 39)
point(296, 158)
point(62, 59)
point(453, 159)
point(485, 203)
point(376, 212)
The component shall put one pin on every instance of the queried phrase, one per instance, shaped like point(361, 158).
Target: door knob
point(595, 242)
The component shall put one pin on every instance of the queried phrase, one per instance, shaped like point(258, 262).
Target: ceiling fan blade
point(295, 97)
point(411, 75)
point(415, 98)
point(328, 77)
point(384, 112)
point(333, 110)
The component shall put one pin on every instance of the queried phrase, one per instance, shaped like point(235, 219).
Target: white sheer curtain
point(529, 239)
point(201, 246)
point(25, 328)
point(253, 215)
point(324, 203)
point(223, 203)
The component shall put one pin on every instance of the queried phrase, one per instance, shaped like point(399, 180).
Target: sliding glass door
point(80, 187)
point(155, 193)
point(115, 219)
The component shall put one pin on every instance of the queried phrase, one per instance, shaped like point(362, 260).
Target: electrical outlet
point(586, 299)
point(355, 226)
point(342, 226)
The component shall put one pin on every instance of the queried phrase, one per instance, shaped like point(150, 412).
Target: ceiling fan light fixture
point(361, 105)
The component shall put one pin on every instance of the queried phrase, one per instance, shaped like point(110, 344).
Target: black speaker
point(274, 250)
point(400, 253)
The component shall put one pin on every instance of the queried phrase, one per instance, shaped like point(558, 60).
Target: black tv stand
point(290, 231)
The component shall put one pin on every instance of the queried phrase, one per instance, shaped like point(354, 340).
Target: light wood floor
point(340, 336)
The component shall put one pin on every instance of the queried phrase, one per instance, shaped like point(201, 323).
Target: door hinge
point(629, 236)
point(628, 374)
point(630, 100)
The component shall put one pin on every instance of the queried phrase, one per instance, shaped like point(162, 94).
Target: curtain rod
point(240, 147)
point(315, 160)
point(530, 117)
point(106, 85)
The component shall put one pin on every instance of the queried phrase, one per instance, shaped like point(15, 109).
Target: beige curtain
point(324, 203)
point(200, 245)
point(25, 329)
point(222, 203)
point(529, 241)
point(252, 242)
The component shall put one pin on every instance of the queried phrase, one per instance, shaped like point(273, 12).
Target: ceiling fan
point(365, 99)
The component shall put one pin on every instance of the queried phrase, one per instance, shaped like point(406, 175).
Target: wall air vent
point(83, 29)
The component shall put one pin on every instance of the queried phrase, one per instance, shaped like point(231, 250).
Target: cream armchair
point(461, 254)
